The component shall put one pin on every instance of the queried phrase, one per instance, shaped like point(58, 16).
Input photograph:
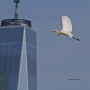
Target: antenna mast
point(16, 8)
point(16, 20)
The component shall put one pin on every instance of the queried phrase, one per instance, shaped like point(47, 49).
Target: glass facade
point(17, 58)
point(31, 58)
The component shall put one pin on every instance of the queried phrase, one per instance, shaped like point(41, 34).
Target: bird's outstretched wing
point(67, 25)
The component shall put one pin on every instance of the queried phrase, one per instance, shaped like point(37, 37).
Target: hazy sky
point(58, 57)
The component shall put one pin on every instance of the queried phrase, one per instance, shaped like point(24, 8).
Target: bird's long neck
point(57, 32)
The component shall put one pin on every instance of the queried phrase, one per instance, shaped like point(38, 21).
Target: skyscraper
point(17, 54)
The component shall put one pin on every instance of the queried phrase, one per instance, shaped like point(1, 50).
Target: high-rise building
point(17, 54)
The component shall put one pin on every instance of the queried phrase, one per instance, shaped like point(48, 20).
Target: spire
point(16, 8)
point(16, 20)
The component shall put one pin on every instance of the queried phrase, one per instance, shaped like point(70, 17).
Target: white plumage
point(66, 28)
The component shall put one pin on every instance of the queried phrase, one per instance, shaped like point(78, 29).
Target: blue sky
point(58, 57)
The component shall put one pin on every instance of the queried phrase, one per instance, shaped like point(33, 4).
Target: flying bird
point(66, 28)
point(74, 79)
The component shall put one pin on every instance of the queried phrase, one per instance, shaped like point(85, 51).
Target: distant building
point(18, 69)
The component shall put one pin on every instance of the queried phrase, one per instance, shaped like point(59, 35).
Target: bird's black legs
point(76, 38)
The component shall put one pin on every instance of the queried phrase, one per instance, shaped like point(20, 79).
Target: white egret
point(66, 28)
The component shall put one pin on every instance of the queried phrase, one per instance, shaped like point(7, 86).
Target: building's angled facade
point(17, 58)
point(18, 69)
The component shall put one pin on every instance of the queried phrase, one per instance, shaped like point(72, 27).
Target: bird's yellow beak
point(53, 31)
